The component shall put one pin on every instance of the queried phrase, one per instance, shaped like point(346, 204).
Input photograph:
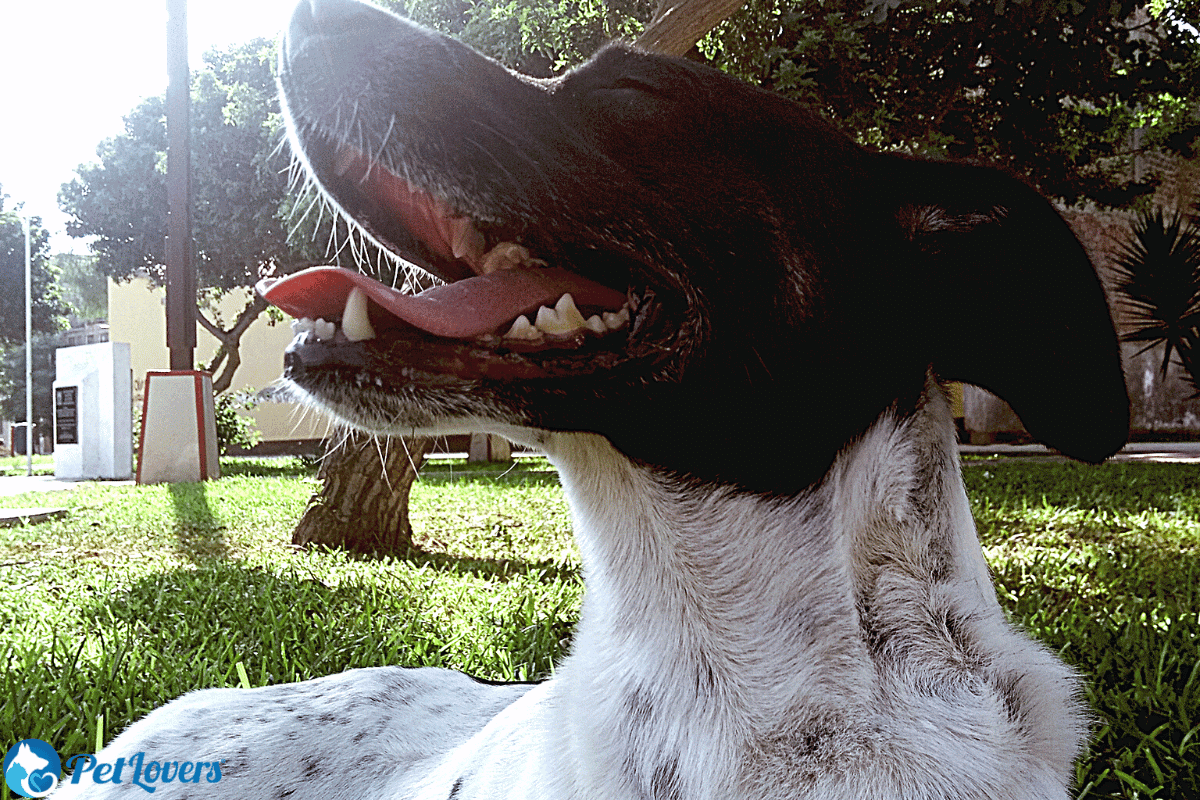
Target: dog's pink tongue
point(458, 310)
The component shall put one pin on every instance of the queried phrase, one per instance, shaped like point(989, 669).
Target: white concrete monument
point(179, 433)
point(93, 412)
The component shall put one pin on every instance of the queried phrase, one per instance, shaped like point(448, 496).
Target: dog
point(730, 328)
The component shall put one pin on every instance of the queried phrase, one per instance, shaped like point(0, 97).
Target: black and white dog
point(728, 327)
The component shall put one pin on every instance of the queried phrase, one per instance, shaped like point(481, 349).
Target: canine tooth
point(467, 241)
point(324, 330)
point(355, 322)
point(505, 255)
point(596, 325)
point(568, 314)
point(303, 325)
point(522, 329)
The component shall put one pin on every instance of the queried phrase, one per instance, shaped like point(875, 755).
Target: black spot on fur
point(639, 706)
point(665, 783)
point(455, 789)
point(312, 767)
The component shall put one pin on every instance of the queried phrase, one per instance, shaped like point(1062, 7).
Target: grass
point(143, 593)
point(19, 465)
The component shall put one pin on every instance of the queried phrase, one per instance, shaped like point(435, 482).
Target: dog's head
point(782, 286)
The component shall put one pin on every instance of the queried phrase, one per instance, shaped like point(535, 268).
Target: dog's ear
point(1022, 312)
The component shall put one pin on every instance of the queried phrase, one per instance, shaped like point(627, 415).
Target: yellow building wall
point(137, 314)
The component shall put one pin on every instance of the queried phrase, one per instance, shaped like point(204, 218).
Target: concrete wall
point(137, 315)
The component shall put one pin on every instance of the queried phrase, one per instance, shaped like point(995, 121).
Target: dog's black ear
point(1022, 311)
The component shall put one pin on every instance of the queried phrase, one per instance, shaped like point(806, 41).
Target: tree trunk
point(363, 504)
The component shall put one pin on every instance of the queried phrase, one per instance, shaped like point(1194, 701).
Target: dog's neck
point(764, 647)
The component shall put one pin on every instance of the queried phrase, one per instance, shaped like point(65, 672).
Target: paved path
point(21, 484)
point(1161, 452)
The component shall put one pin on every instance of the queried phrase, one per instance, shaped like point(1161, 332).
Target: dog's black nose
point(315, 15)
point(315, 18)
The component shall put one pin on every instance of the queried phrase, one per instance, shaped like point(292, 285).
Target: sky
point(70, 70)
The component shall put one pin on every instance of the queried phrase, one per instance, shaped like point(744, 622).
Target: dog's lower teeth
point(563, 320)
point(325, 331)
point(616, 320)
point(522, 328)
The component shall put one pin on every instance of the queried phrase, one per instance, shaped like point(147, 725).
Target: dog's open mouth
point(504, 312)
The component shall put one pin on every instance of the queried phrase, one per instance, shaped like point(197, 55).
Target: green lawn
point(145, 592)
point(19, 465)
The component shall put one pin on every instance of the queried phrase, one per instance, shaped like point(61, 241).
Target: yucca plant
point(1158, 281)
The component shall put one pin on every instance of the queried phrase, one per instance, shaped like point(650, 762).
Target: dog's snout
point(314, 16)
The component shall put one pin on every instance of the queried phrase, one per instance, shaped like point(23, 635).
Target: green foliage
point(83, 288)
point(538, 37)
point(234, 428)
point(48, 310)
point(12, 381)
point(240, 202)
point(1051, 89)
point(1157, 275)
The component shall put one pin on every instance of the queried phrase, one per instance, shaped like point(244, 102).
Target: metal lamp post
point(28, 351)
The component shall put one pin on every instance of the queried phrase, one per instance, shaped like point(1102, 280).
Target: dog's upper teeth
point(505, 255)
point(522, 328)
point(304, 325)
point(324, 330)
point(467, 242)
point(355, 322)
point(508, 255)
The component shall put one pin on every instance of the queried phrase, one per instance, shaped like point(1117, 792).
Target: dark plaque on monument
point(66, 426)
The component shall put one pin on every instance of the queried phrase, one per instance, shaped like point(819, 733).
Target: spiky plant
point(1158, 280)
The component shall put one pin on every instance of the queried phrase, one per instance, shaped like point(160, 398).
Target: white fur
point(845, 643)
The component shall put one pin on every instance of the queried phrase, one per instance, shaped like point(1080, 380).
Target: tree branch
point(229, 356)
point(679, 24)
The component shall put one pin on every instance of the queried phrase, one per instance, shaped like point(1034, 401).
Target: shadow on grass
point(185, 629)
point(200, 536)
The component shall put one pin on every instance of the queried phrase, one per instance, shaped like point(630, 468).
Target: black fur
point(711, 201)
